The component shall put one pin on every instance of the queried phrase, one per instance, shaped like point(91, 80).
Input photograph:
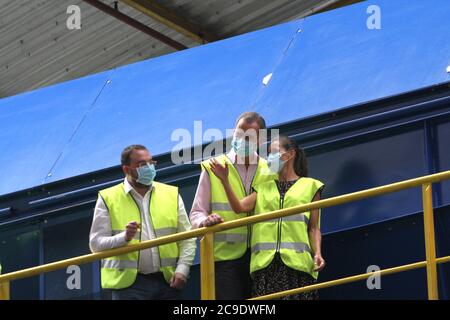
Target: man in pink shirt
point(231, 248)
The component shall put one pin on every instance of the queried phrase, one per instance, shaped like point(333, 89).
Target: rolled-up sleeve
point(201, 206)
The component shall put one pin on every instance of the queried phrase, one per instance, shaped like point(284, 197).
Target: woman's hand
point(319, 262)
point(220, 171)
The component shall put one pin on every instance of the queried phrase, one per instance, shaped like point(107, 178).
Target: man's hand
point(130, 230)
point(178, 281)
point(211, 220)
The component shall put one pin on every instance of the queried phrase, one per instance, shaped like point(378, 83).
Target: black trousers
point(233, 280)
point(147, 287)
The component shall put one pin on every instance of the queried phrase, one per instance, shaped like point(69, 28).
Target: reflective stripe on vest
point(295, 218)
point(296, 246)
point(288, 235)
point(120, 271)
point(128, 264)
point(232, 244)
point(119, 264)
point(230, 237)
point(221, 206)
point(116, 232)
point(159, 232)
point(165, 231)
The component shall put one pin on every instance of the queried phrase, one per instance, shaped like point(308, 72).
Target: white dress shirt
point(101, 237)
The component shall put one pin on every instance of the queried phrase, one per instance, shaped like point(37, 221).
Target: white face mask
point(275, 162)
point(243, 148)
point(146, 174)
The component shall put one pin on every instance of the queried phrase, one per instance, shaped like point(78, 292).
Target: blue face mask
point(243, 148)
point(146, 174)
point(275, 162)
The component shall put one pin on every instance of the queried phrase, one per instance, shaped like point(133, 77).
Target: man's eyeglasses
point(151, 162)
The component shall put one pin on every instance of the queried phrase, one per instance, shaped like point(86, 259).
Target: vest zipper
point(280, 221)
point(249, 227)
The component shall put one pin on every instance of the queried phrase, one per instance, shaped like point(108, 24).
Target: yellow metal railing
point(207, 253)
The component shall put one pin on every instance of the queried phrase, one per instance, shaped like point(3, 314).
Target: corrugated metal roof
point(37, 49)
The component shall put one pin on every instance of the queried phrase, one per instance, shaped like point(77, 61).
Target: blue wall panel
point(376, 161)
point(20, 248)
point(63, 240)
point(387, 244)
point(442, 136)
point(442, 225)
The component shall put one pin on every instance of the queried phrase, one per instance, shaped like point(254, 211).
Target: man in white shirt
point(136, 210)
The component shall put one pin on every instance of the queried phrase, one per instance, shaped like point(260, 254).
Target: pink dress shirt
point(201, 207)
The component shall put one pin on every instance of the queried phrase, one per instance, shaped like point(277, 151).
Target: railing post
point(430, 246)
point(4, 291)
point(208, 287)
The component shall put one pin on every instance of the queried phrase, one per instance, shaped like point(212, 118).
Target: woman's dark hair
point(300, 163)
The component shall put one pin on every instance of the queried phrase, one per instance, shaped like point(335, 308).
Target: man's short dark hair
point(251, 117)
point(126, 153)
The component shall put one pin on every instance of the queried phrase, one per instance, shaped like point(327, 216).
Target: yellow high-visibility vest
point(120, 271)
point(232, 244)
point(288, 235)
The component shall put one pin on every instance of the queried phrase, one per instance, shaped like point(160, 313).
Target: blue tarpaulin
point(319, 64)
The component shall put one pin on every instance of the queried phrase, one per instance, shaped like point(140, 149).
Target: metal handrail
point(359, 277)
point(206, 248)
point(340, 281)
